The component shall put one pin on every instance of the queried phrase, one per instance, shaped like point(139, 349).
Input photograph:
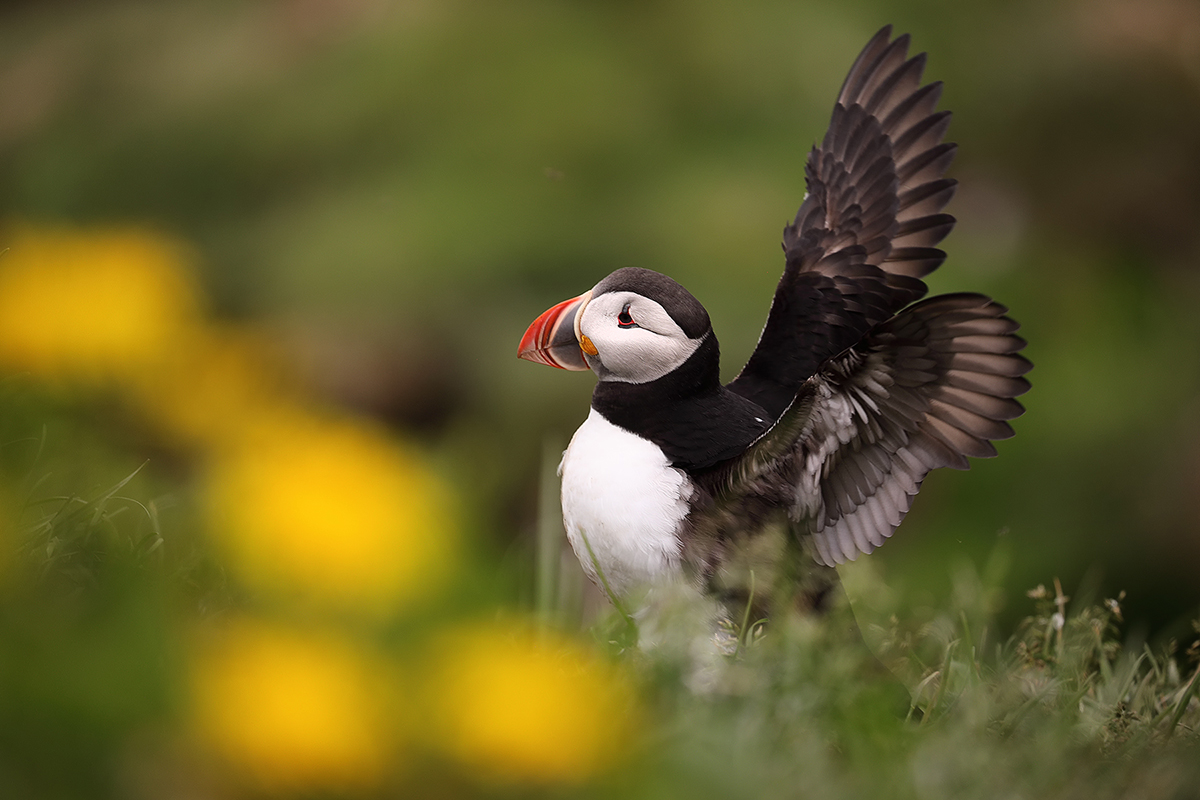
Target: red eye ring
point(624, 320)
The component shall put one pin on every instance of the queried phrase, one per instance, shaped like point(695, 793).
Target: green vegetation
point(1059, 710)
point(98, 606)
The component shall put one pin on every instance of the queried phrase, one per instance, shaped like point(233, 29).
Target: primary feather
point(864, 235)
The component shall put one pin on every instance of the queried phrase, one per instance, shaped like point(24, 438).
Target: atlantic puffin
point(755, 490)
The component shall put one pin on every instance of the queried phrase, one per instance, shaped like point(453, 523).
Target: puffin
point(756, 490)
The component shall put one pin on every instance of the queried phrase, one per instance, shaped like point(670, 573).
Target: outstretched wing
point(926, 389)
point(865, 233)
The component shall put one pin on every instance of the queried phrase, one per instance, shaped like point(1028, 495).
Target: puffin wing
point(926, 389)
point(865, 234)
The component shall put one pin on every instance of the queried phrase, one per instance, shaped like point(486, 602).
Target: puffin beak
point(552, 338)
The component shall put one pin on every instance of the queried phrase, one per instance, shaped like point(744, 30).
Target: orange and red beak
point(554, 339)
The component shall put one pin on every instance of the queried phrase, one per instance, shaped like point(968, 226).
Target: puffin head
point(635, 326)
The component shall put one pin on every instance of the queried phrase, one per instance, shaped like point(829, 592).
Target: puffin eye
point(624, 320)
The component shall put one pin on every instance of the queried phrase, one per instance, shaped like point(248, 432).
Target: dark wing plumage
point(926, 389)
point(865, 233)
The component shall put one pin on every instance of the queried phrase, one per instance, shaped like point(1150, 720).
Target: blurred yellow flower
point(87, 305)
point(518, 706)
point(332, 511)
point(222, 382)
point(289, 709)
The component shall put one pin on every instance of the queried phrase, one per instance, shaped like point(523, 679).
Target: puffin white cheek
point(639, 356)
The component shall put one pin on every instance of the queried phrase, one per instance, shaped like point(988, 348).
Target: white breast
point(620, 490)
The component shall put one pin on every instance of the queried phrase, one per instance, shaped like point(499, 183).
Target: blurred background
point(334, 219)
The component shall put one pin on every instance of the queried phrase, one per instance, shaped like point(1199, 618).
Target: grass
point(1063, 708)
point(1069, 705)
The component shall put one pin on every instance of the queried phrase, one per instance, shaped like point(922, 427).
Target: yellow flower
point(290, 710)
point(220, 383)
point(521, 707)
point(332, 511)
point(83, 306)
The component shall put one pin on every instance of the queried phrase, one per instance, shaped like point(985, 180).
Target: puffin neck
point(699, 375)
point(694, 420)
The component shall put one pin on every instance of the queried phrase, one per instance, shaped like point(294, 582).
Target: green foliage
point(98, 596)
point(1064, 708)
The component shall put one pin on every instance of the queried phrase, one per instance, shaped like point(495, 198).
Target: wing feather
point(867, 230)
point(929, 388)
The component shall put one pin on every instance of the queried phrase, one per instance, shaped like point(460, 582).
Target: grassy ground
point(1059, 710)
point(1068, 706)
point(102, 598)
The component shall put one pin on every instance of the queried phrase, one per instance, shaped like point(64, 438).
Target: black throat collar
point(694, 420)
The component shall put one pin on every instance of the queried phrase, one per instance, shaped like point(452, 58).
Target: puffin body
point(621, 493)
point(856, 390)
